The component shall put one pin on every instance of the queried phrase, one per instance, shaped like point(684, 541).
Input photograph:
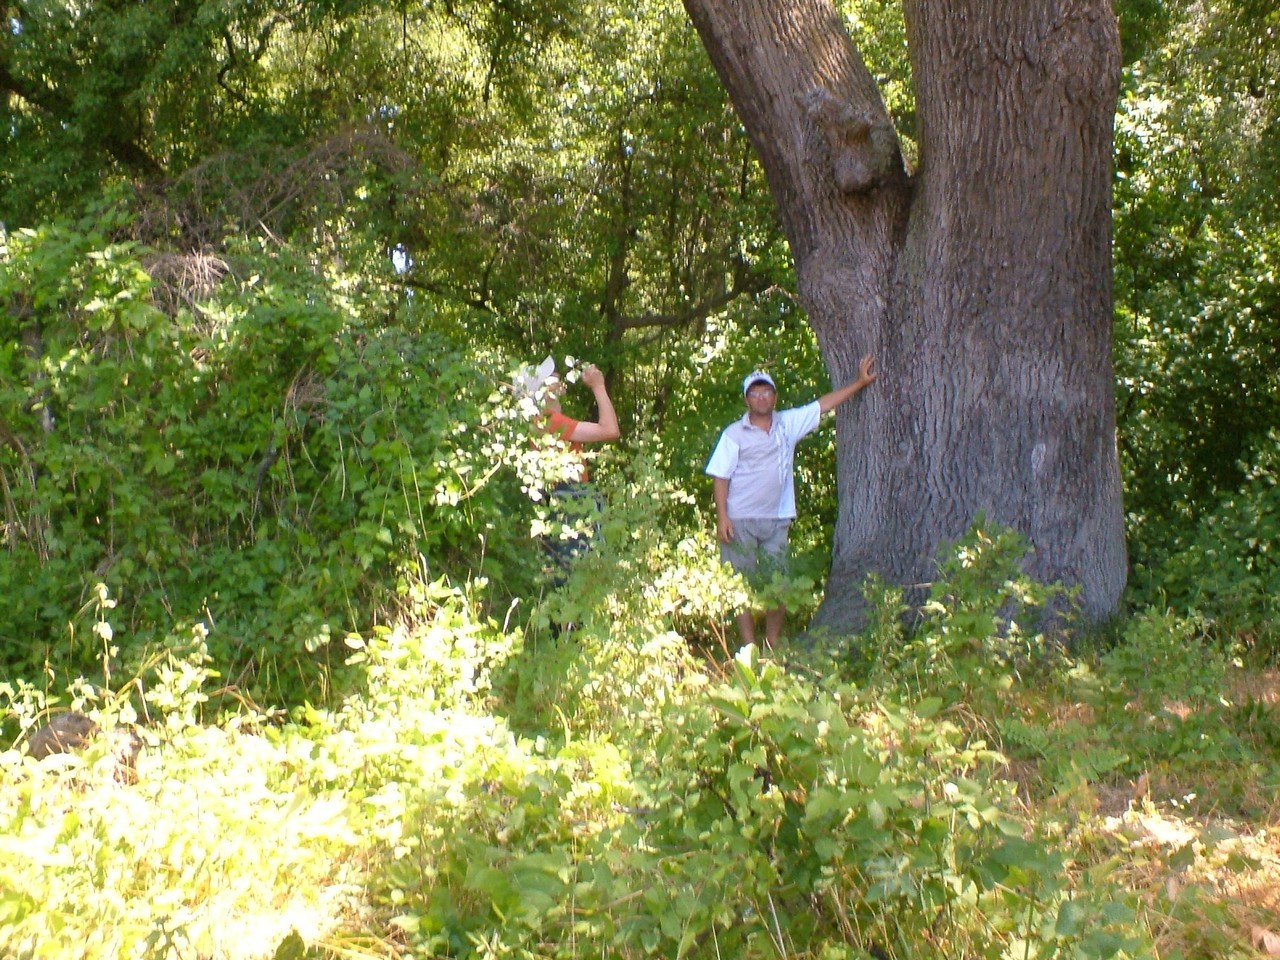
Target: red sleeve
point(562, 426)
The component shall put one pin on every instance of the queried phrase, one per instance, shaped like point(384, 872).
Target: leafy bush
point(755, 816)
point(645, 566)
point(969, 640)
point(1228, 571)
point(653, 566)
point(216, 850)
point(271, 459)
point(1164, 696)
point(1162, 658)
point(641, 804)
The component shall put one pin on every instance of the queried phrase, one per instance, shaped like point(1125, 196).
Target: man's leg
point(773, 626)
point(741, 555)
point(775, 550)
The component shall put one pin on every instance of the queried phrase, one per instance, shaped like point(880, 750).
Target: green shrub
point(645, 807)
point(216, 850)
point(969, 641)
point(275, 459)
point(754, 817)
point(1165, 699)
point(1228, 571)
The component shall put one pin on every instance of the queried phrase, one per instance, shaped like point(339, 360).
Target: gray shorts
point(757, 543)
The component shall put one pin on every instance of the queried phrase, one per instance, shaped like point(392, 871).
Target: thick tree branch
point(477, 300)
point(821, 152)
point(747, 284)
point(623, 234)
point(233, 59)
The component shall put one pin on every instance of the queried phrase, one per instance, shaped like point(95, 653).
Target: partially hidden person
point(573, 500)
point(754, 479)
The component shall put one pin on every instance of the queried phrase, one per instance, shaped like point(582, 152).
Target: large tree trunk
point(982, 283)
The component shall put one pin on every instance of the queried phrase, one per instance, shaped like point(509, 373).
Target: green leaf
point(292, 947)
point(1072, 918)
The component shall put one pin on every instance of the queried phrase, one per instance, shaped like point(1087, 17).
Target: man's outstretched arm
point(866, 376)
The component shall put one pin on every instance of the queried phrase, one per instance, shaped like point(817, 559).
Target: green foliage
point(1226, 570)
point(1196, 249)
point(1167, 658)
point(646, 566)
point(846, 828)
point(1158, 702)
point(966, 642)
point(441, 654)
point(1165, 696)
point(1069, 756)
point(758, 816)
point(639, 802)
point(271, 460)
point(260, 481)
point(204, 95)
point(179, 861)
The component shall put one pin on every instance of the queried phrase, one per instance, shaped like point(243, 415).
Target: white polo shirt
point(759, 463)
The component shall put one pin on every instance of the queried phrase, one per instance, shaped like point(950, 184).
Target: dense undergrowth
point(261, 451)
point(945, 786)
point(287, 530)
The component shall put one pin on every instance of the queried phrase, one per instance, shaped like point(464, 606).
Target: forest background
point(267, 272)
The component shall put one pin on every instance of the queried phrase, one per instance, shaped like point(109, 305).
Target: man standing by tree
point(980, 273)
point(755, 481)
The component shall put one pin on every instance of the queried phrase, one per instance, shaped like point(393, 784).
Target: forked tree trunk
point(982, 283)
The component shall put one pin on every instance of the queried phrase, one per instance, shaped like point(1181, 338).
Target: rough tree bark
point(982, 281)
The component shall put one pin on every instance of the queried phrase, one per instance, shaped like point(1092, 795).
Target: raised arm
point(866, 376)
point(606, 428)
